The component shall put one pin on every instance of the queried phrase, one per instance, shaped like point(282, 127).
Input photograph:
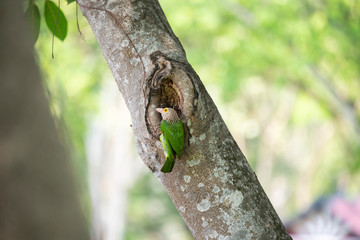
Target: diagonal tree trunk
point(212, 185)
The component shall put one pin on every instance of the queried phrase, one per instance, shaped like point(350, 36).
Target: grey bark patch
point(193, 162)
point(241, 234)
point(204, 205)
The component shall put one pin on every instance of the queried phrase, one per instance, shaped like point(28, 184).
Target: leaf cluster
point(55, 19)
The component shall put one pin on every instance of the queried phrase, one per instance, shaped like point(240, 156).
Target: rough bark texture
point(37, 194)
point(212, 184)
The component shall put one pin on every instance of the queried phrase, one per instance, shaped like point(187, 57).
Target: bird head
point(168, 114)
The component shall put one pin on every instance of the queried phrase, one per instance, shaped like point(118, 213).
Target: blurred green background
point(285, 76)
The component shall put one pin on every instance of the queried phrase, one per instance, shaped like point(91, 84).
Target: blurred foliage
point(286, 79)
point(73, 79)
point(151, 214)
point(33, 15)
point(284, 74)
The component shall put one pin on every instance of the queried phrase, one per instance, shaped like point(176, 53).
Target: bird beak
point(160, 110)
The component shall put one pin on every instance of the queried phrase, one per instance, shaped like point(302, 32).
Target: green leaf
point(70, 1)
point(51, 14)
point(33, 14)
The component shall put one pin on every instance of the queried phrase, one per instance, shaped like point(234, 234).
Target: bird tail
point(168, 165)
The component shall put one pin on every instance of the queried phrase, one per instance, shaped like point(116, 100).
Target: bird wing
point(174, 134)
point(169, 155)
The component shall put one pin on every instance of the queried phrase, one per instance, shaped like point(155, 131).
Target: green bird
point(172, 137)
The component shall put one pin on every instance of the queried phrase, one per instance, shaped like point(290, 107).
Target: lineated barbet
point(172, 136)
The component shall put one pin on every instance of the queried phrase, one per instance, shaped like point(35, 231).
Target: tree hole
point(170, 96)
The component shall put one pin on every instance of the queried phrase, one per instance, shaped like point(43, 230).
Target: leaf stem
point(77, 23)
point(53, 36)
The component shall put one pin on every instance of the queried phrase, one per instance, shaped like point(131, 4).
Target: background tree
point(38, 197)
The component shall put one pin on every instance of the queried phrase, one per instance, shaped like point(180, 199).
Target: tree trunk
point(37, 194)
point(212, 185)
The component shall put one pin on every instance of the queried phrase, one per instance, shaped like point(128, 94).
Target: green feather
point(168, 166)
point(174, 134)
point(169, 156)
point(172, 138)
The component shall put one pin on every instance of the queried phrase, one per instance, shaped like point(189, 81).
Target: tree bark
point(37, 195)
point(212, 185)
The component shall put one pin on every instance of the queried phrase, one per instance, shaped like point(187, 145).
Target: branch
point(240, 12)
point(344, 108)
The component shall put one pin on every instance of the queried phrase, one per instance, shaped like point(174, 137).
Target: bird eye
point(165, 109)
